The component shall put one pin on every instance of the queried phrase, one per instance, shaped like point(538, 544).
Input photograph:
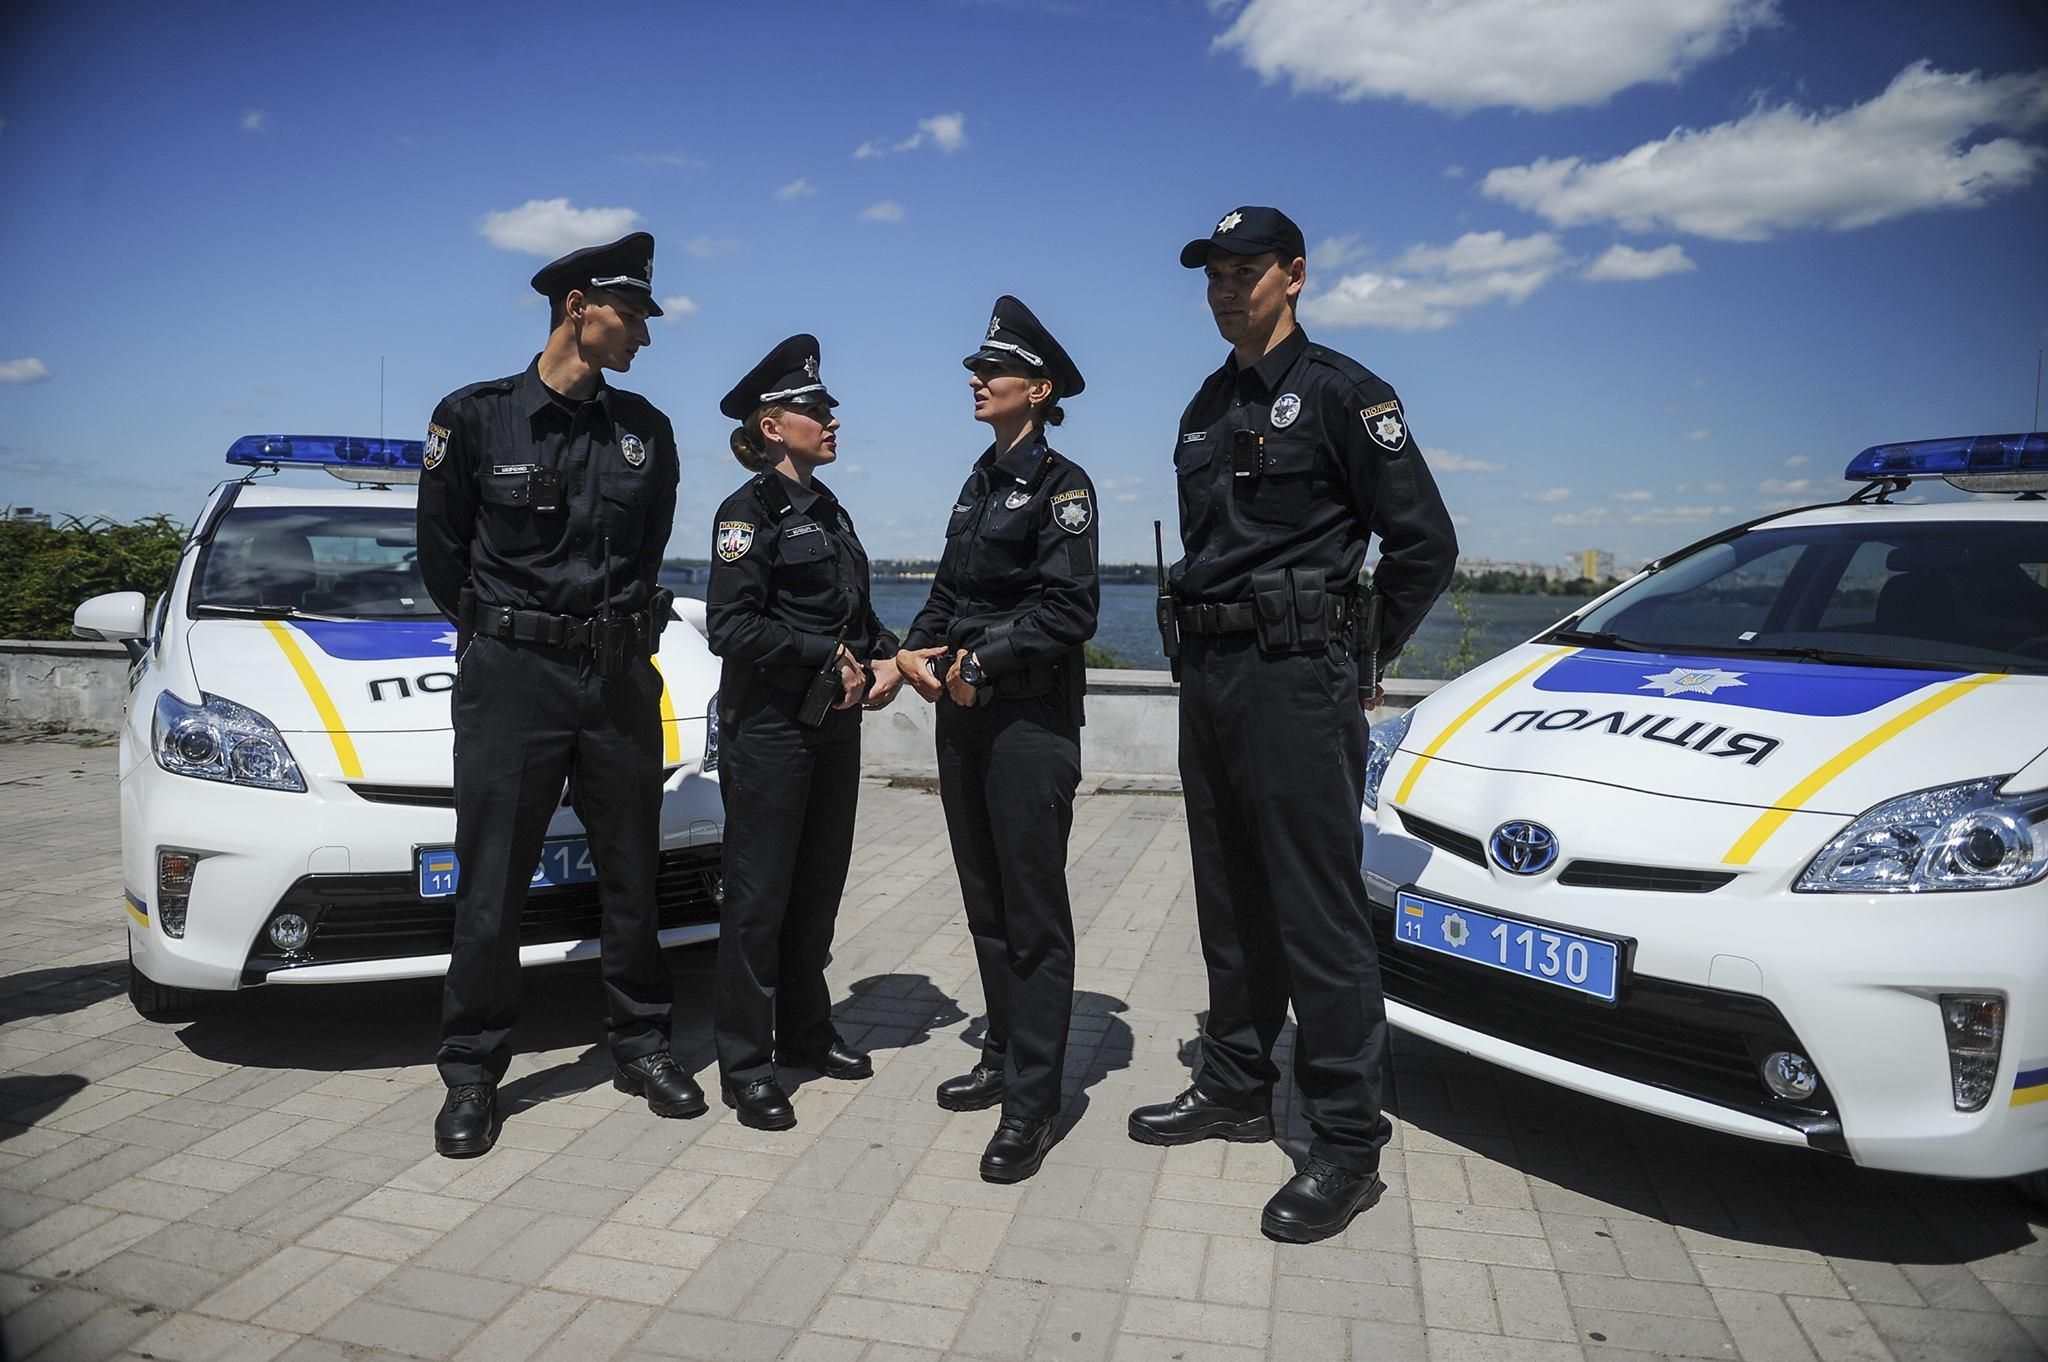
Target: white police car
point(1759, 839)
point(286, 765)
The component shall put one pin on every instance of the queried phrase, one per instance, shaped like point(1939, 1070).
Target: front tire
point(2034, 1185)
point(160, 1002)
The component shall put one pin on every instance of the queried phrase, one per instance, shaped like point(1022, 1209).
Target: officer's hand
point(853, 680)
point(911, 666)
point(888, 681)
point(1371, 701)
point(962, 694)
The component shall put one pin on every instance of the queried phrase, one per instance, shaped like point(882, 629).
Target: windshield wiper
point(260, 612)
point(1591, 639)
point(1842, 659)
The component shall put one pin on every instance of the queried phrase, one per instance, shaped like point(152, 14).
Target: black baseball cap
point(625, 266)
point(1248, 230)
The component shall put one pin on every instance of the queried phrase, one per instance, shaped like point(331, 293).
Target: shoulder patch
point(437, 446)
point(1386, 425)
point(735, 537)
point(1073, 511)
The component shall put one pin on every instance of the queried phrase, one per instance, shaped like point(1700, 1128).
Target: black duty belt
point(554, 631)
point(1238, 617)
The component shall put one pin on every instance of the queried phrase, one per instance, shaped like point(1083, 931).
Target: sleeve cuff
point(813, 649)
point(997, 656)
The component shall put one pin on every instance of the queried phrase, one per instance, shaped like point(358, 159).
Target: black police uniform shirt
point(1020, 550)
point(614, 460)
point(788, 575)
point(1293, 463)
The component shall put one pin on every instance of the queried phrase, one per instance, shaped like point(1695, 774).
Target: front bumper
point(1721, 976)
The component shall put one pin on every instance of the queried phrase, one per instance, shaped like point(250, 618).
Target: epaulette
point(1343, 364)
point(768, 495)
point(490, 385)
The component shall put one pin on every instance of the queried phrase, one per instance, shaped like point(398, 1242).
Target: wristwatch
point(971, 672)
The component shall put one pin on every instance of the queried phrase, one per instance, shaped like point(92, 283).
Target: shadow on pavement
point(27, 1098)
point(61, 989)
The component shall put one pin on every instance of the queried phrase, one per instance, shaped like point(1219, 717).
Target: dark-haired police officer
point(544, 506)
point(1290, 456)
point(1014, 599)
point(789, 613)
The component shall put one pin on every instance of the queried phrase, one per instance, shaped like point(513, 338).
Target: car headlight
point(221, 740)
point(711, 734)
point(1382, 742)
point(1954, 837)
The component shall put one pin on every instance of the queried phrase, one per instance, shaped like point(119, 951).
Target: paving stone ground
point(260, 1183)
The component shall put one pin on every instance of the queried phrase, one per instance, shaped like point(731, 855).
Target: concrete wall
point(1133, 726)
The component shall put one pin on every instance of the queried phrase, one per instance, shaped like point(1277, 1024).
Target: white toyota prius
point(287, 760)
point(1759, 839)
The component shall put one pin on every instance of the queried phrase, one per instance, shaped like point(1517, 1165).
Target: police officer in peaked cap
point(1288, 459)
point(788, 612)
point(545, 502)
point(998, 647)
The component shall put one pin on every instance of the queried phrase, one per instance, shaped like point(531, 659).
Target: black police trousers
point(527, 718)
point(790, 793)
point(1272, 764)
point(1007, 772)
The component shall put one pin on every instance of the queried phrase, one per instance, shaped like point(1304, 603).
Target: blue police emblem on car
point(1523, 848)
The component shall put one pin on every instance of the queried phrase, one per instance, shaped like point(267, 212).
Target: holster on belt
point(1293, 611)
point(465, 620)
point(824, 688)
point(1362, 630)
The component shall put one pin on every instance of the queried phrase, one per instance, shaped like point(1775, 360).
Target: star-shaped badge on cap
point(810, 366)
point(1229, 222)
point(995, 324)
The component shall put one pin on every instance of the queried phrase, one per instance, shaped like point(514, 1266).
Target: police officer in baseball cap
point(546, 500)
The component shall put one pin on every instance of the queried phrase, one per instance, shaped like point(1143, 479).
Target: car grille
point(1702, 1042)
point(1459, 844)
point(1654, 878)
point(383, 917)
point(419, 796)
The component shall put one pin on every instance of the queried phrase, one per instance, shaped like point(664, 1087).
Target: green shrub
point(47, 570)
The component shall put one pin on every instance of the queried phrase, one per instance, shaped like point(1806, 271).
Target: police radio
point(825, 688)
point(1169, 626)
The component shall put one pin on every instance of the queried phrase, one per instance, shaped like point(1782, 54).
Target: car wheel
point(160, 1002)
point(2034, 1185)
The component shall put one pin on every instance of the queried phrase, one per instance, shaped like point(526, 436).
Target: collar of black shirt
point(1022, 461)
point(798, 496)
point(536, 396)
point(1273, 366)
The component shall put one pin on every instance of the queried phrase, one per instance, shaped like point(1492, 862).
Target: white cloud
point(674, 159)
point(799, 188)
point(1444, 461)
point(1634, 496)
point(1644, 515)
point(1797, 461)
point(29, 370)
point(678, 306)
point(1784, 487)
point(551, 227)
point(707, 247)
point(1712, 489)
point(1627, 263)
point(1700, 434)
point(255, 120)
point(1429, 286)
point(1454, 172)
point(1471, 54)
point(1782, 168)
point(946, 131)
point(1549, 494)
point(1335, 251)
point(1592, 515)
point(888, 210)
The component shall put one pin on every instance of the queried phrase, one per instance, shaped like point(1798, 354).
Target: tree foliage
point(47, 570)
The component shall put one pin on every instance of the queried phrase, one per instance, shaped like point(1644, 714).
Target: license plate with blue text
point(563, 860)
point(1583, 964)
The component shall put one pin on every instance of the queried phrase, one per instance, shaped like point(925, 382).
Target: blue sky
point(1637, 268)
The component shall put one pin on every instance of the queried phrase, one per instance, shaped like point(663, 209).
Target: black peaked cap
point(787, 376)
point(624, 266)
point(1247, 230)
point(1016, 337)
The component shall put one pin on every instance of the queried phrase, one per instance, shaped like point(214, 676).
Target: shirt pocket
point(810, 556)
point(506, 512)
point(1192, 456)
point(1280, 494)
point(623, 494)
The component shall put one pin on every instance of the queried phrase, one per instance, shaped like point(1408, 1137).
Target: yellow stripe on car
point(323, 703)
point(2026, 1097)
point(137, 909)
point(671, 740)
point(1436, 743)
point(1793, 800)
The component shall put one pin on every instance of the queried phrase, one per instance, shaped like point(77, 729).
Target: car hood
point(1746, 731)
point(383, 676)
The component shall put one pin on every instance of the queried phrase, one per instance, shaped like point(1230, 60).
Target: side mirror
point(116, 617)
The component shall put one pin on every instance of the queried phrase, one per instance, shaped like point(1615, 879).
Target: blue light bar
point(326, 451)
point(1978, 463)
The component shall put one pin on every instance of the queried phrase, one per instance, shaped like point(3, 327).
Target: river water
point(1126, 627)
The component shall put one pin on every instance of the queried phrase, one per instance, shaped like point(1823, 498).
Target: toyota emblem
point(1522, 848)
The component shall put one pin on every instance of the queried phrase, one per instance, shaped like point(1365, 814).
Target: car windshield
point(1968, 595)
point(341, 562)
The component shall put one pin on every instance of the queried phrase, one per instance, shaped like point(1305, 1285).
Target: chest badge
point(1020, 497)
point(1285, 408)
point(630, 446)
point(735, 537)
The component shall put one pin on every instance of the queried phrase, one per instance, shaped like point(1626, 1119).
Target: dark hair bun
point(1053, 414)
